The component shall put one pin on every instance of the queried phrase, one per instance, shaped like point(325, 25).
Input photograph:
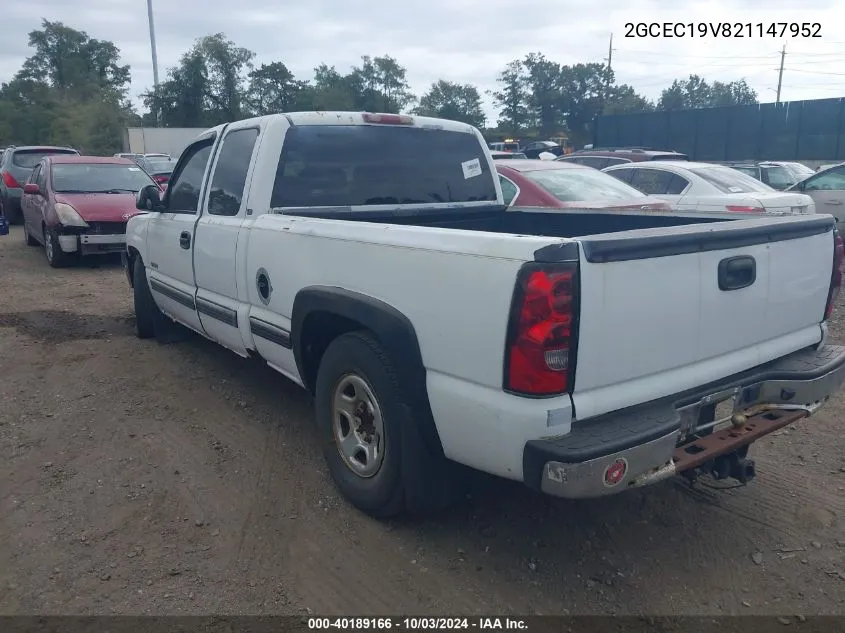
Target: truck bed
point(528, 220)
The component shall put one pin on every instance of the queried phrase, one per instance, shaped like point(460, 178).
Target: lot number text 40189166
point(722, 29)
point(416, 623)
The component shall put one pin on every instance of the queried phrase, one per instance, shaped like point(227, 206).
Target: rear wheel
point(361, 414)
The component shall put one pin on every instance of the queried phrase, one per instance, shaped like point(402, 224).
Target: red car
point(79, 205)
point(560, 185)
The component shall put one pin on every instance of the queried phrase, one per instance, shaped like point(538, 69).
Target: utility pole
point(154, 53)
point(780, 72)
point(609, 67)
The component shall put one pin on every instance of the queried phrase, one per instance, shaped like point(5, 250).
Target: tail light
point(161, 179)
point(540, 348)
point(836, 275)
point(388, 119)
point(744, 209)
point(9, 181)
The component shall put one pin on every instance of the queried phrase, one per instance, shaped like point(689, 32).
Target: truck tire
point(361, 414)
point(146, 310)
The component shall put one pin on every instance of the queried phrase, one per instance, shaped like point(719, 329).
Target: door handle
point(838, 203)
point(737, 272)
point(185, 240)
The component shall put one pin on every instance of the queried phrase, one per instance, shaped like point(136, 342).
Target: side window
point(616, 161)
point(833, 180)
point(677, 185)
point(509, 190)
point(229, 180)
point(652, 181)
point(622, 174)
point(33, 177)
point(183, 191)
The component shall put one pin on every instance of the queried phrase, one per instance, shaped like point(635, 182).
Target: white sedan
point(708, 188)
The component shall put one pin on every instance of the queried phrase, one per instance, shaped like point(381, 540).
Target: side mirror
point(148, 198)
point(32, 188)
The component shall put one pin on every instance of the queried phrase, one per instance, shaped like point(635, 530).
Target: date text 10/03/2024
point(417, 624)
point(723, 29)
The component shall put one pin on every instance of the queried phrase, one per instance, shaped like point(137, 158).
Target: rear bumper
point(655, 441)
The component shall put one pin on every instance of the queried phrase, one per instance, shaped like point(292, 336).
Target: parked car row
point(16, 165)
point(76, 206)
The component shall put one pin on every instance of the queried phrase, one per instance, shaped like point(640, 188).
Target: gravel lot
point(140, 478)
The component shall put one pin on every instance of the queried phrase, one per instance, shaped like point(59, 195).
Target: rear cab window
point(370, 165)
point(29, 158)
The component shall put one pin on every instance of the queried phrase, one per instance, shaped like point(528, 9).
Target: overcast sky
point(462, 40)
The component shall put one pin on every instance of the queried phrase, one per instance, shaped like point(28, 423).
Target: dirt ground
point(140, 478)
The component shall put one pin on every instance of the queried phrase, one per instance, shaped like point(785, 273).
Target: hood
point(101, 207)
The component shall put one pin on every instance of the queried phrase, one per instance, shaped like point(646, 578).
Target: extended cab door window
point(183, 190)
point(230, 172)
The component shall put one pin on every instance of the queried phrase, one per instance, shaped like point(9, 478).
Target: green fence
point(797, 130)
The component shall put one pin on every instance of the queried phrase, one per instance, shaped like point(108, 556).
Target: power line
point(814, 72)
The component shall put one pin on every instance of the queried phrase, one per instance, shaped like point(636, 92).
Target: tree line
point(73, 90)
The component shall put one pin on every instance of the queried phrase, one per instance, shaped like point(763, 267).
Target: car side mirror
point(32, 188)
point(148, 198)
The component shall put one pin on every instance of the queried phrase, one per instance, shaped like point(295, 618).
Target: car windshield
point(31, 157)
point(582, 184)
point(98, 178)
point(800, 171)
point(729, 180)
point(748, 171)
point(780, 176)
point(158, 165)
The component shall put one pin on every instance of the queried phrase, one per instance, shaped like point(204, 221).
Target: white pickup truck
point(370, 259)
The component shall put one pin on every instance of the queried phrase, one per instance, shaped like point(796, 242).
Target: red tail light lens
point(744, 209)
point(161, 179)
point(836, 275)
point(9, 181)
point(541, 337)
point(388, 119)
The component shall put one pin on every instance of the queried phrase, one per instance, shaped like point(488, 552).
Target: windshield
point(30, 158)
point(748, 171)
point(362, 165)
point(800, 171)
point(98, 178)
point(780, 176)
point(158, 166)
point(581, 185)
point(729, 180)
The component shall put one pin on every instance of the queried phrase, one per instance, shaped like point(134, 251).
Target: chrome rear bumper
point(646, 444)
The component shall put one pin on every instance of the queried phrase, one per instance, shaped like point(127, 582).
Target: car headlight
point(68, 215)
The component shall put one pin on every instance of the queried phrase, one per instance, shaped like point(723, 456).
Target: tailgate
point(654, 320)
